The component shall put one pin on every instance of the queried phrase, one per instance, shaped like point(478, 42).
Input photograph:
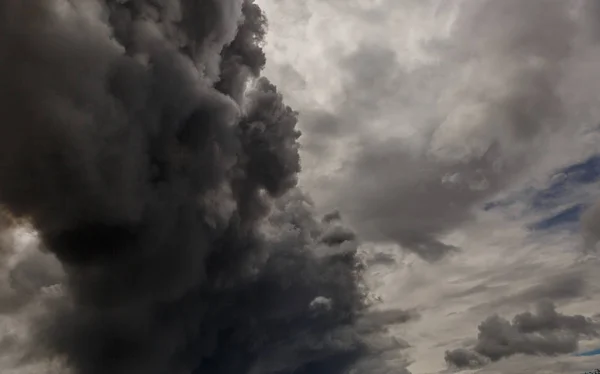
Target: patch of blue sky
point(560, 204)
point(562, 183)
point(565, 219)
point(595, 352)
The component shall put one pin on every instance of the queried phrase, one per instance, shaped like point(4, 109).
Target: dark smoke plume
point(139, 140)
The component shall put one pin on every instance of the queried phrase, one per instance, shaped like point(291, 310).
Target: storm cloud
point(148, 155)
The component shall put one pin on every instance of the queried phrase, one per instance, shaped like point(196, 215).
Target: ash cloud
point(543, 333)
point(138, 138)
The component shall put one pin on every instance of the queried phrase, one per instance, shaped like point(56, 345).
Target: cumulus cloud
point(544, 333)
point(155, 163)
point(461, 358)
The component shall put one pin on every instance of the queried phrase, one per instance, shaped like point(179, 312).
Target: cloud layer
point(451, 127)
point(419, 138)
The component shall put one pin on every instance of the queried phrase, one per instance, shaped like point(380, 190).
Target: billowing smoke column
point(138, 139)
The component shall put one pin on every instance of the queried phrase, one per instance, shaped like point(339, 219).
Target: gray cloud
point(380, 258)
point(498, 90)
point(590, 227)
point(461, 358)
point(563, 287)
point(166, 188)
point(556, 288)
point(24, 270)
point(544, 333)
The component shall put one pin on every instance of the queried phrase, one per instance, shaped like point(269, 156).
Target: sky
point(401, 102)
point(307, 187)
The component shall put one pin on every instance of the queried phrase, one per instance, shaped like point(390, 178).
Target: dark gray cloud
point(461, 358)
point(166, 188)
point(564, 287)
point(496, 83)
point(543, 333)
point(590, 228)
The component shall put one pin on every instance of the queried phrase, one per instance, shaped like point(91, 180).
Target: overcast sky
point(458, 137)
